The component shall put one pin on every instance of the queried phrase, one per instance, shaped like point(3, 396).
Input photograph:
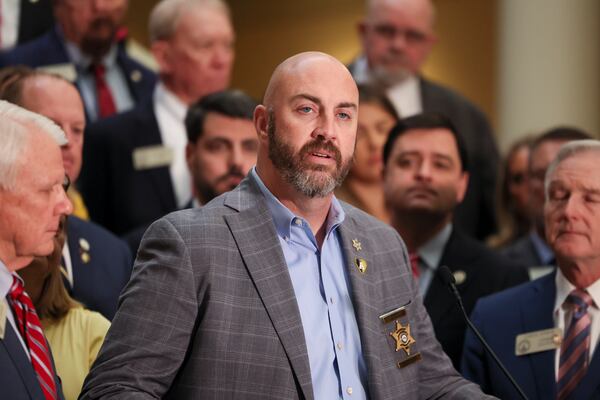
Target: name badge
point(535, 342)
point(66, 70)
point(152, 157)
point(3, 318)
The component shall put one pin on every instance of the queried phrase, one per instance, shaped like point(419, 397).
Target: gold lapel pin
point(136, 75)
point(361, 264)
point(356, 244)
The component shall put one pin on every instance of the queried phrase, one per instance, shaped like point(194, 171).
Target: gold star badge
point(357, 244)
point(403, 338)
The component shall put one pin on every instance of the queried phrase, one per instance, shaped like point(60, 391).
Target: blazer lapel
point(254, 233)
point(149, 135)
point(537, 314)
point(15, 351)
point(355, 246)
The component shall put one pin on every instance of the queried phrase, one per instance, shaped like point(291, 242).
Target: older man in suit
point(135, 169)
point(425, 178)
point(546, 331)
point(96, 264)
point(397, 37)
point(87, 47)
point(276, 290)
point(33, 200)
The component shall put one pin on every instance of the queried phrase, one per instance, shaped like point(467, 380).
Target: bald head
point(294, 67)
point(397, 36)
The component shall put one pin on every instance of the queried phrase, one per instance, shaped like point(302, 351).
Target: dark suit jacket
point(503, 316)
point(210, 312)
point(486, 272)
point(117, 195)
point(35, 19)
point(476, 215)
point(18, 379)
point(97, 283)
point(49, 49)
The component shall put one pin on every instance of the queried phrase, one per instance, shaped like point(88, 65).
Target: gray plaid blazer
point(210, 313)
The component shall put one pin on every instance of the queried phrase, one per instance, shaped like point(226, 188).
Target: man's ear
point(462, 187)
point(160, 51)
point(261, 122)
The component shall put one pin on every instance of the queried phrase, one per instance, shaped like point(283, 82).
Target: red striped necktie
point(31, 331)
point(575, 348)
point(106, 102)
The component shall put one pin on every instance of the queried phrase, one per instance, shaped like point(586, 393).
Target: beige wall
point(268, 31)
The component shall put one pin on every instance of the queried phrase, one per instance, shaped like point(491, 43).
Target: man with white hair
point(546, 331)
point(397, 37)
point(32, 201)
point(135, 169)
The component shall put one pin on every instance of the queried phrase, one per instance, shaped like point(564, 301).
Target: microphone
point(448, 279)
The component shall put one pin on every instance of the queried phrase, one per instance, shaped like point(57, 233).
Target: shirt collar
point(564, 288)
point(170, 102)
point(541, 248)
point(431, 252)
point(6, 280)
point(283, 217)
point(83, 61)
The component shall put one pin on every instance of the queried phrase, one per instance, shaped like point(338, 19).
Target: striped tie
point(575, 348)
point(31, 331)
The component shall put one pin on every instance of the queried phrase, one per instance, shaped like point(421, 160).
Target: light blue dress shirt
point(86, 82)
point(322, 289)
point(430, 255)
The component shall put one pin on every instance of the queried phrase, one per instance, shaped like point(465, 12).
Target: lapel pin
point(356, 244)
point(460, 277)
point(84, 244)
point(136, 75)
point(361, 264)
point(403, 337)
point(85, 257)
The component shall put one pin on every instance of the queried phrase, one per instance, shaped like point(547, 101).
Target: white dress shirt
point(170, 114)
point(562, 316)
point(9, 23)
point(6, 281)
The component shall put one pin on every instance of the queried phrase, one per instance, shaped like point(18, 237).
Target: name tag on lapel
point(537, 341)
point(66, 70)
point(3, 318)
point(152, 157)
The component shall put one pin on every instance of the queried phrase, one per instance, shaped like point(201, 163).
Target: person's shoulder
point(483, 254)
point(510, 299)
point(37, 52)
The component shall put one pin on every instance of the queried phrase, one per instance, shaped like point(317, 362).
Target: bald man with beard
point(277, 290)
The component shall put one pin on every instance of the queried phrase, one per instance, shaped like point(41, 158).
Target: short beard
point(297, 172)
point(97, 47)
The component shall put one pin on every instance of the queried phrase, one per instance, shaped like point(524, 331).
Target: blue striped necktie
point(575, 348)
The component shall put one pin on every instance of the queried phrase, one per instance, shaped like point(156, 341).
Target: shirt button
point(298, 221)
point(339, 346)
point(349, 390)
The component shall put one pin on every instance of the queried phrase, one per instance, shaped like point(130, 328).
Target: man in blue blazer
point(85, 37)
point(33, 201)
point(135, 170)
point(531, 327)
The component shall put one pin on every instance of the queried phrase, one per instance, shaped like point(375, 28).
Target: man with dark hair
point(425, 178)
point(87, 47)
point(222, 143)
point(532, 250)
point(397, 37)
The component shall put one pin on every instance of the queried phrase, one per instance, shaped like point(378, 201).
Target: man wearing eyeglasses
point(397, 37)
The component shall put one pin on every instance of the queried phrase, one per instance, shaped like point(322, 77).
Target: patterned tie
point(414, 264)
point(106, 103)
point(575, 348)
point(31, 331)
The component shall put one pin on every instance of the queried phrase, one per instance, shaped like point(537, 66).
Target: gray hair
point(165, 15)
point(16, 127)
point(569, 150)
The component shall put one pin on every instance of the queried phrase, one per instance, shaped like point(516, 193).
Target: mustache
point(321, 144)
